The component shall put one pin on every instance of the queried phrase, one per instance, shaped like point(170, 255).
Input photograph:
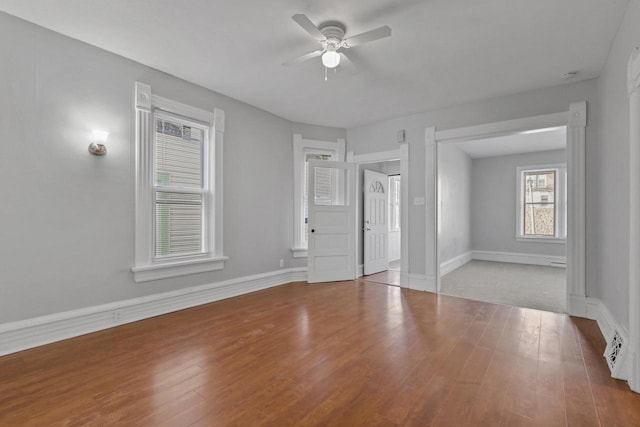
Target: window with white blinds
point(179, 190)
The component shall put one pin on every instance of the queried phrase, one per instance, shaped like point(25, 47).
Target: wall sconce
point(97, 147)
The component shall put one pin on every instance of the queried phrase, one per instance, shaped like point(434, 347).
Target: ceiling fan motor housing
point(333, 31)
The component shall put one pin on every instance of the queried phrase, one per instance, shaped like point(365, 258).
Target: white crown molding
point(24, 334)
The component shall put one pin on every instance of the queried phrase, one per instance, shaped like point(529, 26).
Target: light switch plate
point(418, 201)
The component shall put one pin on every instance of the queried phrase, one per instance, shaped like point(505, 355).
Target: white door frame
point(633, 80)
point(402, 154)
point(576, 121)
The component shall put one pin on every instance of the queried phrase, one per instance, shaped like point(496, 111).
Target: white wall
point(381, 136)
point(494, 199)
point(454, 182)
point(67, 218)
point(612, 170)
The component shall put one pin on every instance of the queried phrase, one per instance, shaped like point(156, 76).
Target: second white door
point(376, 227)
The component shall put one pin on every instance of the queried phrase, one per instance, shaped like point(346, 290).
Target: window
point(394, 203)
point(326, 183)
point(542, 202)
point(178, 188)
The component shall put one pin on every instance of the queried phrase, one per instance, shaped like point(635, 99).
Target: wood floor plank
point(349, 353)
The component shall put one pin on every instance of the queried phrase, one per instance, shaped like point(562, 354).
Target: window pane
point(330, 186)
point(178, 152)
point(539, 220)
point(539, 187)
point(178, 224)
point(305, 188)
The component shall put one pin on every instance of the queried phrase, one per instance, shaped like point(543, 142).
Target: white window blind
point(179, 189)
point(324, 187)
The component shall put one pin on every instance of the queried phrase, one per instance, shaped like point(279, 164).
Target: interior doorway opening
point(502, 218)
point(380, 215)
point(361, 160)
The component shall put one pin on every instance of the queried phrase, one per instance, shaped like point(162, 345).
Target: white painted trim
point(633, 85)
point(24, 334)
point(431, 209)
point(502, 128)
point(596, 310)
point(360, 270)
point(576, 207)
point(380, 156)
point(337, 150)
point(384, 156)
point(418, 282)
point(454, 263)
point(177, 268)
point(518, 258)
point(560, 205)
point(576, 121)
point(145, 267)
point(299, 252)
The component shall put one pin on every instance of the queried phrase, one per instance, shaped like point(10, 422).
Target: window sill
point(541, 239)
point(165, 270)
point(299, 252)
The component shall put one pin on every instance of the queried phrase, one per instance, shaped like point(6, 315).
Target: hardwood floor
point(349, 353)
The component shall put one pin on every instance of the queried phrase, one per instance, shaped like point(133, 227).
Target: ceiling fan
point(330, 36)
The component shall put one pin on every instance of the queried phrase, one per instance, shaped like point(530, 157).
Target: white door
point(332, 230)
point(376, 228)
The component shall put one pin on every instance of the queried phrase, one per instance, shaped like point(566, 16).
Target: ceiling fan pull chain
point(325, 74)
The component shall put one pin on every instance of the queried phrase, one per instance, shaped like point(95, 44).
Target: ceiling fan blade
point(303, 58)
point(308, 26)
point(347, 63)
point(369, 36)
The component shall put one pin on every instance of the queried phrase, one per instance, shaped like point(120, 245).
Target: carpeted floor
point(529, 286)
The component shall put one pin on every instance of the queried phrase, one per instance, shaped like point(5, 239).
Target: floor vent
point(615, 354)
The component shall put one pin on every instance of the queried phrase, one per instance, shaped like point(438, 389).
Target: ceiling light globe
point(331, 59)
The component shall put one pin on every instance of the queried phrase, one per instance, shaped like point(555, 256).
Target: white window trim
point(300, 148)
point(560, 204)
point(147, 268)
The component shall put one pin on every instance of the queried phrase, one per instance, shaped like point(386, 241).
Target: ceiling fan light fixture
point(331, 59)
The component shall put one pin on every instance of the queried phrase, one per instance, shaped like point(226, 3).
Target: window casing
point(303, 151)
point(541, 203)
point(178, 188)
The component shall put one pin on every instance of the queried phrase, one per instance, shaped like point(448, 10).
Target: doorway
point(394, 165)
point(575, 120)
point(381, 190)
point(502, 218)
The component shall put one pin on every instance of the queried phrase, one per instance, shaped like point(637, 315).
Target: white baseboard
point(29, 333)
point(360, 270)
point(596, 310)
point(548, 260)
point(452, 264)
point(418, 282)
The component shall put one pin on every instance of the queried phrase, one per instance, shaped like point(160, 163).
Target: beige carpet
point(529, 286)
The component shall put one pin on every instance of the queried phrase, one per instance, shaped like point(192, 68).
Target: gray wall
point(67, 218)
point(493, 203)
point(381, 136)
point(454, 182)
point(612, 170)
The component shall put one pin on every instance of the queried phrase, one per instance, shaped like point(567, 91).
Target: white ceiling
point(441, 52)
point(526, 142)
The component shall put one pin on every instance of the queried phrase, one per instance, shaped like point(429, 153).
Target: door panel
point(376, 229)
point(332, 234)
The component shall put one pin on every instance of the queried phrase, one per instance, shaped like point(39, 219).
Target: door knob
point(368, 229)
